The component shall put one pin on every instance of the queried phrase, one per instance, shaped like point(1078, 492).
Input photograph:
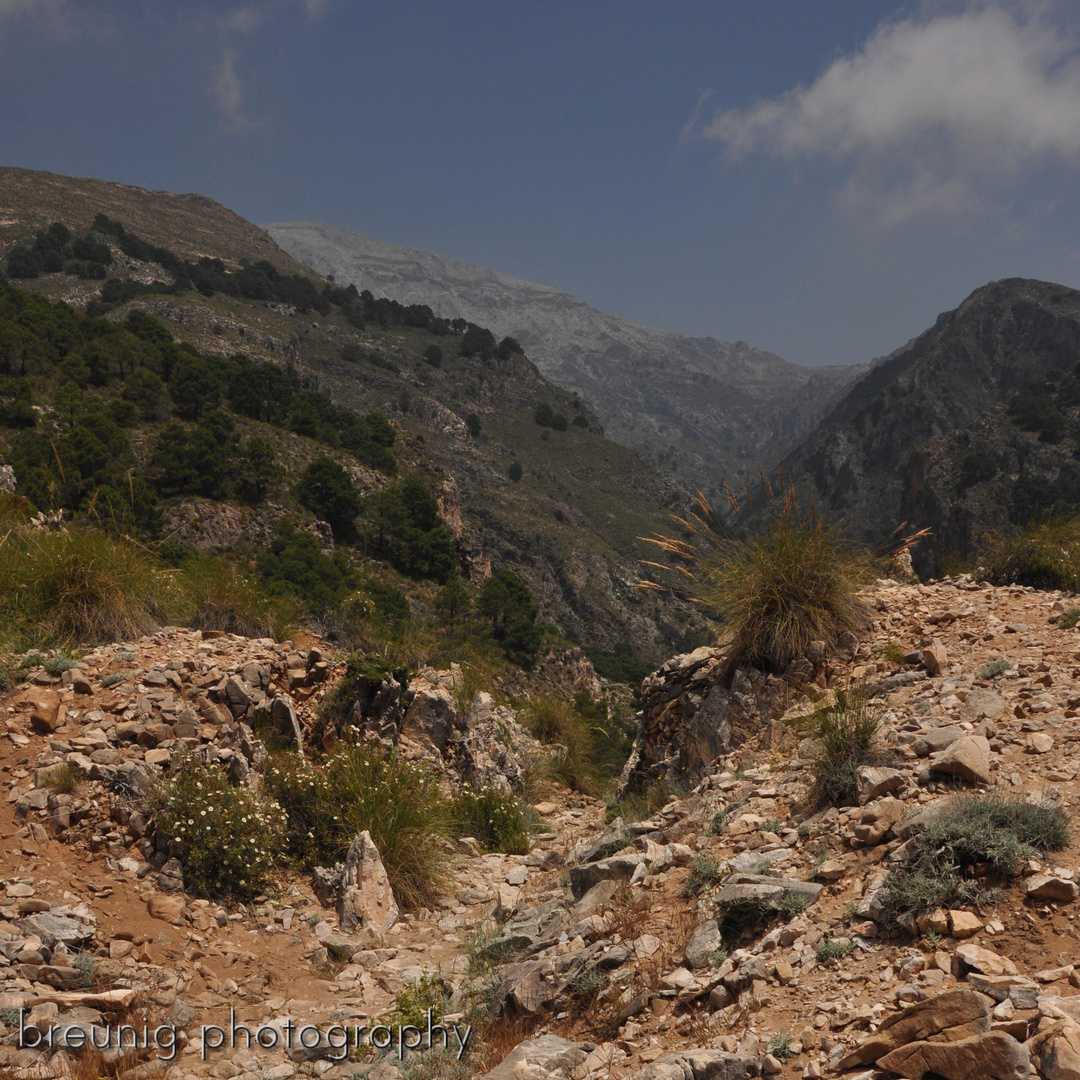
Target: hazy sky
point(817, 178)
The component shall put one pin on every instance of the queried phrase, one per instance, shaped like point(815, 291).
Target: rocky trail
point(601, 949)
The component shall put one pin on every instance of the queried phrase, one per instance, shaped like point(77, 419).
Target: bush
point(791, 582)
point(704, 873)
point(327, 490)
point(65, 779)
point(833, 950)
point(494, 818)
point(970, 838)
point(80, 585)
point(993, 669)
point(228, 834)
point(570, 737)
point(427, 994)
point(1045, 555)
point(846, 736)
point(362, 787)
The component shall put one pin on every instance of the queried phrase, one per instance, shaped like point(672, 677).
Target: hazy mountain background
point(705, 411)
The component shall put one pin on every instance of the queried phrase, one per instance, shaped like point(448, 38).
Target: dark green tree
point(327, 490)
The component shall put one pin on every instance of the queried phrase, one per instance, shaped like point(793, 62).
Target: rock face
point(366, 899)
point(892, 449)
point(661, 393)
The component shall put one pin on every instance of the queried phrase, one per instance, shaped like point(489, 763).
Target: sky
point(816, 179)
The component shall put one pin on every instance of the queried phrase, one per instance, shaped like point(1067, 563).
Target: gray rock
point(699, 1065)
point(703, 945)
point(615, 868)
point(968, 759)
point(554, 1055)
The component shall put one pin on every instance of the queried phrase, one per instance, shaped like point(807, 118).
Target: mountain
point(968, 426)
point(526, 480)
point(705, 411)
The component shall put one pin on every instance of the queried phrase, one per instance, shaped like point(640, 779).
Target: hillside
point(465, 418)
point(972, 424)
point(703, 410)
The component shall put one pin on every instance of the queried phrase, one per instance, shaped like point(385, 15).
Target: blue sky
point(819, 179)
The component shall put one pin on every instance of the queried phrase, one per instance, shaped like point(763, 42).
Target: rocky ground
point(600, 949)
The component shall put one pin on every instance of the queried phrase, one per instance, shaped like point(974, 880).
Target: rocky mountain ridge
point(622, 917)
point(705, 411)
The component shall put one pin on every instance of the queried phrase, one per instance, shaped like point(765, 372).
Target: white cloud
point(315, 9)
point(227, 91)
point(930, 114)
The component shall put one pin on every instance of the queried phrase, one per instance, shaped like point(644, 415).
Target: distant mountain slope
point(704, 410)
point(926, 435)
point(191, 225)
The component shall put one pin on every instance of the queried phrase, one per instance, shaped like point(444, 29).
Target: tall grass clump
point(216, 595)
point(571, 742)
point(229, 835)
point(844, 736)
point(973, 838)
point(1044, 555)
point(776, 585)
point(494, 818)
point(79, 585)
point(362, 787)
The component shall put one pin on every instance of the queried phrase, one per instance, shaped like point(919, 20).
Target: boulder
point(949, 1017)
point(1050, 887)
point(968, 759)
point(982, 704)
point(985, 960)
point(366, 898)
point(1057, 1051)
point(615, 868)
point(555, 1057)
point(991, 1056)
point(699, 1065)
point(703, 945)
point(935, 658)
point(872, 782)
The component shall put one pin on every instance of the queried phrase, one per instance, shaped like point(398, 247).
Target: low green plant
point(10, 1016)
point(411, 1004)
point(845, 737)
point(83, 962)
point(993, 669)
point(739, 919)
point(113, 678)
point(61, 662)
point(780, 1046)
point(495, 818)
point(229, 835)
point(486, 950)
point(791, 904)
point(933, 938)
point(893, 652)
point(1070, 618)
point(970, 842)
point(65, 779)
point(704, 873)
point(773, 826)
point(641, 804)
point(833, 950)
point(363, 787)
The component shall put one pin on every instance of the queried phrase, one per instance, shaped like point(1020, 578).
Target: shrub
point(363, 787)
point(780, 1046)
point(990, 835)
point(833, 950)
point(845, 735)
point(1069, 618)
point(704, 873)
point(229, 835)
point(792, 581)
point(993, 669)
point(412, 1004)
point(1045, 555)
point(496, 819)
point(65, 779)
point(572, 761)
point(80, 585)
point(61, 662)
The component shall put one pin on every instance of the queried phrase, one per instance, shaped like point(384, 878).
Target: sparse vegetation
point(971, 845)
point(65, 779)
point(780, 1046)
point(845, 736)
point(1069, 618)
point(994, 668)
point(704, 873)
point(833, 950)
point(1043, 554)
point(411, 1004)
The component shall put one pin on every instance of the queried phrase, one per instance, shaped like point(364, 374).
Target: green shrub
point(833, 950)
point(571, 741)
point(1044, 554)
point(229, 835)
point(792, 581)
point(412, 1003)
point(61, 662)
point(1069, 618)
point(993, 669)
point(497, 820)
point(704, 873)
point(845, 736)
point(988, 835)
point(362, 787)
